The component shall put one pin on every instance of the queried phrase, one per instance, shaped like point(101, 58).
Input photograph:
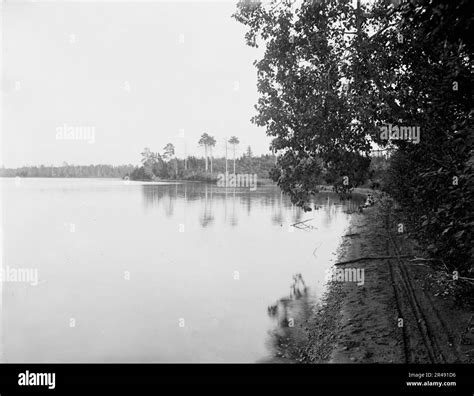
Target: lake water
point(141, 272)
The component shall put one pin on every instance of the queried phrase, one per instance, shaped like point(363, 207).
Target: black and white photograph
point(272, 186)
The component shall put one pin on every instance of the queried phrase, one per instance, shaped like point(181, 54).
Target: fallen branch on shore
point(422, 259)
point(351, 235)
point(423, 265)
point(394, 257)
point(371, 258)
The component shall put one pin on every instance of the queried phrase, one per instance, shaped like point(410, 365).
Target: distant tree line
point(67, 170)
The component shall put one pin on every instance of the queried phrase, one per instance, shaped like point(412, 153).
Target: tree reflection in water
point(289, 338)
point(207, 200)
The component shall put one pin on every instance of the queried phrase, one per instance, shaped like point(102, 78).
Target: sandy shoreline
point(362, 323)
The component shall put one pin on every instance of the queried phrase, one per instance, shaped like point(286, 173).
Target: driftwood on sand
point(384, 258)
point(371, 258)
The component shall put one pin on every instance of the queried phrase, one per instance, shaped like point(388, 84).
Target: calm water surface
point(140, 272)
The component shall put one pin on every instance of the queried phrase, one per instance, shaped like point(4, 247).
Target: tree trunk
point(211, 157)
point(185, 157)
point(226, 159)
point(234, 159)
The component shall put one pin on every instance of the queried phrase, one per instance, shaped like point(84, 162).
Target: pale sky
point(137, 72)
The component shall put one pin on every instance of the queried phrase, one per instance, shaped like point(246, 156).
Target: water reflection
point(281, 310)
point(209, 206)
point(288, 339)
point(206, 214)
point(175, 272)
point(238, 202)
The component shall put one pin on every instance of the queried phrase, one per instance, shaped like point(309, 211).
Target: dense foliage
point(333, 74)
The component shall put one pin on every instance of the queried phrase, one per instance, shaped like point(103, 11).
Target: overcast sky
point(139, 73)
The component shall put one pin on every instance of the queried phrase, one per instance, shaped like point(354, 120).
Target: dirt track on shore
point(405, 312)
